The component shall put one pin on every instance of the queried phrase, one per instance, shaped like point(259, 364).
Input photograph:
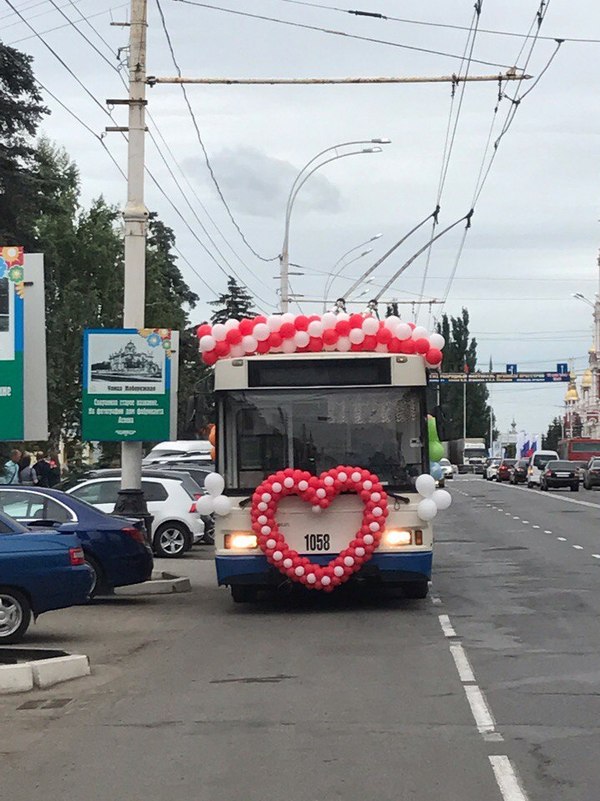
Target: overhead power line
point(66, 24)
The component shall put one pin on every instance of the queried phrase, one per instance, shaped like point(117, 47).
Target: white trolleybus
point(290, 417)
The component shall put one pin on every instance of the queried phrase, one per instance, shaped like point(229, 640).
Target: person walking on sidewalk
point(10, 473)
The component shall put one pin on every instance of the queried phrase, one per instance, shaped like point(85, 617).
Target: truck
point(468, 454)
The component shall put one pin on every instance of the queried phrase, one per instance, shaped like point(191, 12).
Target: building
point(130, 361)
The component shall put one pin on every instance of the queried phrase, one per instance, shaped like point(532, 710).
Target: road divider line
point(526, 522)
point(596, 555)
point(447, 627)
point(552, 497)
point(507, 779)
point(578, 547)
point(535, 526)
point(461, 660)
point(481, 712)
point(547, 532)
point(561, 539)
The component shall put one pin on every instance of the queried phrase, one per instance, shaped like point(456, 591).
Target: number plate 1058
point(317, 542)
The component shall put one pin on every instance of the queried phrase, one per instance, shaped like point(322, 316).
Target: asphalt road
point(488, 690)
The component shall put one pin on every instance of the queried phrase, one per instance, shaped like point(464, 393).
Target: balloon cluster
point(434, 500)
point(214, 502)
point(319, 491)
point(291, 333)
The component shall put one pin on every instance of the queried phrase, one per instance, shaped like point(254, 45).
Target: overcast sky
point(535, 234)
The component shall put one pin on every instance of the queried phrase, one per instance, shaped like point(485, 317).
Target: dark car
point(115, 548)
point(518, 472)
point(38, 572)
point(558, 474)
point(504, 469)
point(591, 474)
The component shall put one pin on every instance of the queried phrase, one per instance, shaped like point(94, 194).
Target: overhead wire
point(66, 24)
point(333, 32)
point(203, 146)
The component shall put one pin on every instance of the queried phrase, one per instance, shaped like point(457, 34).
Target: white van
point(537, 463)
point(191, 450)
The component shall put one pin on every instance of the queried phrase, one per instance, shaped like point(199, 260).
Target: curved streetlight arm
point(336, 274)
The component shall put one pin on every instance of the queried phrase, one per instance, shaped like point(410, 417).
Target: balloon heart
point(320, 492)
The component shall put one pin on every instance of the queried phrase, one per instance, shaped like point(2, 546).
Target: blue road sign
point(511, 369)
point(562, 368)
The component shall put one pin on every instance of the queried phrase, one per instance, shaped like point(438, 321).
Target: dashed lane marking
point(596, 555)
point(561, 539)
point(447, 627)
point(547, 532)
point(481, 712)
point(535, 527)
point(507, 779)
point(461, 660)
point(578, 547)
point(526, 522)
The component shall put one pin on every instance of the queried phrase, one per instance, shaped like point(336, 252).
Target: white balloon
point(237, 351)
point(342, 316)
point(231, 324)
point(370, 326)
point(425, 485)
point(274, 322)
point(249, 343)
point(442, 499)
point(344, 344)
point(288, 317)
point(222, 505)
point(329, 320)
point(311, 578)
point(214, 484)
point(403, 331)
point(261, 331)
point(437, 341)
point(301, 339)
point(391, 322)
point(356, 336)
point(219, 332)
point(326, 581)
point(338, 570)
point(207, 343)
point(315, 328)
point(205, 505)
point(288, 346)
point(420, 333)
point(427, 509)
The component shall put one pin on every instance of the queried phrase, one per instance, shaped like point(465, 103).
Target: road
point(488, 690)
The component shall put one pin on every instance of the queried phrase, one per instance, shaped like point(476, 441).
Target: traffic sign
point(562, 368)
point(511, 369)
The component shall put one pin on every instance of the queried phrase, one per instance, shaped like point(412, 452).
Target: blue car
point(115, 548)
point(38, 572)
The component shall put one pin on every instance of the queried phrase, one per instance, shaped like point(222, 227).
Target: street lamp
point(579, 296)
point(335, 273)
point(299, 182)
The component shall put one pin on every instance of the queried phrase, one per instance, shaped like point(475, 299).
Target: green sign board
point(12, 412)
point(129, 385)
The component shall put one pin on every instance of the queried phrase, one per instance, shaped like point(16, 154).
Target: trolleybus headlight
point(241, 539)
point(396, 537)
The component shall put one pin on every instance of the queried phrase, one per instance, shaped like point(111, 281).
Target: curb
point(161, 583)
point(27, 676)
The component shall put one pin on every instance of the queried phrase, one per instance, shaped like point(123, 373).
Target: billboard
point(130, 385)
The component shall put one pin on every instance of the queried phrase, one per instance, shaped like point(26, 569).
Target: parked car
point(504, 468)
point(38, 572)
point(200, 450)
point(591, 474)
point(518, 472)
point(558, 474)
point(537, 464)
point(170, 496)
point(115, 548)
point(490, 471)
point(447, 468)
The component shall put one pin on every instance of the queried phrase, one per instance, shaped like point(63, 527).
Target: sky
point(534, 237)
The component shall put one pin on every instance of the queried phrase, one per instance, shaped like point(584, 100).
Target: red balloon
point(356, 348)
point(395, 346)
point(263, 347)
point(260, 319)
point(275, 340)
point(384, 336)
point(434, 356)
point(356, 320)
point(315, 345)
point(287, 330)
point(343, 327)
point(314, 317)
point(422, 345)
point(330, 336)
point(209, 357)
point(222, 349)
point(301, 322)
point(246, 326)
point(412, 325)
point(407, 346)
point(204, 330)
point(233, 336)
point(369, 342)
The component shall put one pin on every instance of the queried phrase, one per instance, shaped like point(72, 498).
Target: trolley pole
point(135, 215)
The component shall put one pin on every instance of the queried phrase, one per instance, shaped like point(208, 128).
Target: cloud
point(259, 185)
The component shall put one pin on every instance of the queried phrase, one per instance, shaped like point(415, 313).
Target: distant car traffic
point(38, 572)
point(557, 474)
point(591, 474)
point(504, 468)
point(518, 472)
point(447, 468)
point(537, 464)
point(115, 548)
point(170, 496)
point(490, 470)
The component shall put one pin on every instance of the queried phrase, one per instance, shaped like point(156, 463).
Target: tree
point(236, 303)
point(553, 435)
point(460, 355)
point(21, 110)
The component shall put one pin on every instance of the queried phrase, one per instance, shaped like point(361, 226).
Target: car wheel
point(171, 540)
point(15, 615)
point(529, 485)
point(243, 593)
point(416, 590)
point(575, 487)
point(543, 487)
point(98, 581)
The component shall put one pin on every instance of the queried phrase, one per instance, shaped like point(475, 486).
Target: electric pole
point(135, 215)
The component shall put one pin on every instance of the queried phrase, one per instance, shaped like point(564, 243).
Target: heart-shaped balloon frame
point(320, 492)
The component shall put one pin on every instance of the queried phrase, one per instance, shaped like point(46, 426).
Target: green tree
point(553, 435)
point(460, 355)
point(236, 303)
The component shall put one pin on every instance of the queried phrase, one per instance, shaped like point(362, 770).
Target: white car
point(171, 499)
point(447, 467)
point(537, 464)
point(196, 450)
point(491, 471)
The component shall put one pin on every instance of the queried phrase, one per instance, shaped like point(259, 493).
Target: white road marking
point(435, 600)
point(596, 555)
point(516, 518)
point(535, 526)
point(461, 660)
point(578, 547)
point(507, 779)
point(526, 522)
point(552, 497)
point(561, 539)
point(481, 712)
point(547, 532)
point(507, 514)
point(447, 627)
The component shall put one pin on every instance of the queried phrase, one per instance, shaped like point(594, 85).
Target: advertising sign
point(23, 391)
point(130, 385)
point(499, 378)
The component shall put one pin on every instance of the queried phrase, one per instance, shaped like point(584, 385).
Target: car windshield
point(319, 429)
point(509, 462)
point(540, 460)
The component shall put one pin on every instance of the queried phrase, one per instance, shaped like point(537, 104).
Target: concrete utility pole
point(135, 216)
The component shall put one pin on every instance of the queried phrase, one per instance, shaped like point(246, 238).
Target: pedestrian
point(27, 475)
point(42, 470)
point(55, 474)
point(10, 473)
